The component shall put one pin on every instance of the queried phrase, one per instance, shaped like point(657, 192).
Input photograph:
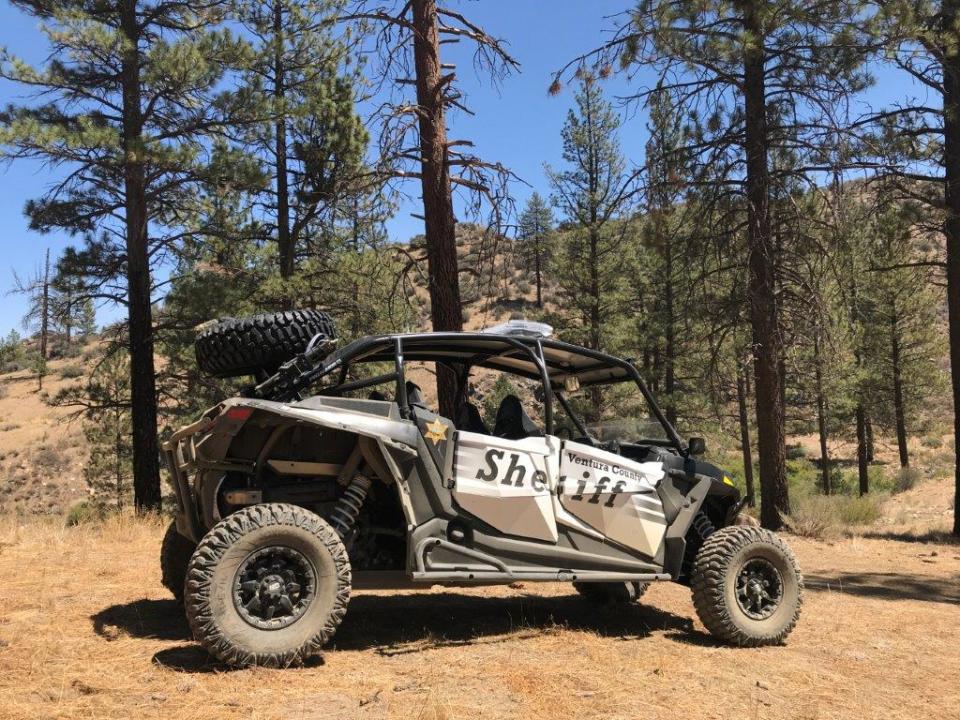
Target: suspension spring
point(344, 515)
point(703, 526)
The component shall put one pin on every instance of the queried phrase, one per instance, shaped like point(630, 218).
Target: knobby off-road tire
point(608, 593)
point(267, 552)
point(747, 588)
point(231, 348)
point(175, 552)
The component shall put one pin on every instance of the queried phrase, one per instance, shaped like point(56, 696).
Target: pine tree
point(108, 470)
point(125, 106)
point(11, 350)
point(71, 312)
point(749, 78)
point(535, 239)
point(902, 339)
point(414, 141)
point(39, 313)
point(920, 142)
point(309, 139)
point(594, 195)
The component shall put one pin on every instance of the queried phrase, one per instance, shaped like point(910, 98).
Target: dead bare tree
point(406, 40)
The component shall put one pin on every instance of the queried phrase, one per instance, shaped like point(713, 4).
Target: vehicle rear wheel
point(608, 593)
point(231, 347)
point(267, 586)
point(747, 588)
point(175, 552)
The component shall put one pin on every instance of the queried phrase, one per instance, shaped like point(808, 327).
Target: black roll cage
point(304, 370)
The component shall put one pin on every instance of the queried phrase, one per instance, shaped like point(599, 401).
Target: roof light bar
point(525, 328)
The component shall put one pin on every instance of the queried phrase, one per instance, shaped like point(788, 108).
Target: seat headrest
point(512, 421)
point(415, 395)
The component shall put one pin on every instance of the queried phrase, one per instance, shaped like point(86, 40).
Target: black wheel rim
point(273, 588)
point(759, 588)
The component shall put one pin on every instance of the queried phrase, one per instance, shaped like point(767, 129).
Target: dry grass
point(41, 451)
point(87, 631)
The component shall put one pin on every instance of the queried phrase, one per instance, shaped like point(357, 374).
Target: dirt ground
point(86, 630)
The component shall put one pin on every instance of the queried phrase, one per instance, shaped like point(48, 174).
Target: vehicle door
point(509, 484)
point(615, 496)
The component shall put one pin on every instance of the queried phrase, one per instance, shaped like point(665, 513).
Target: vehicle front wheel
point(609, 593)
point(268, 586)
point(175, 552)
point(747, 588)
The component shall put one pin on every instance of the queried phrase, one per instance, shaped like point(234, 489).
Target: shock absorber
point(345, 513)
point(703, 526)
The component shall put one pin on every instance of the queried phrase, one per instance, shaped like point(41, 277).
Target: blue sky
point(517, 123)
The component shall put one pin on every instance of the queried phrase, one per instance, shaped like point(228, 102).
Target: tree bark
point(285, 242)
point(764, 313)
point(669, 348)
point(143, 392)
point(863, 463)
point(869, 430)
point(440, 224)
point(538, 269)
point(821, 415)
point(896, 363)
point(45, 310)
point(951, 163)
point(745, 435)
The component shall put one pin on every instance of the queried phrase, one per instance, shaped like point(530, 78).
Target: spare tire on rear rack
point(260, 344)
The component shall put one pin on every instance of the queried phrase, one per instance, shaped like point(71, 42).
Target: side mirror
point(696, 446)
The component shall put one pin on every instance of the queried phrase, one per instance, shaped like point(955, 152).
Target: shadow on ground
point(889, 586)
point(149, 619)
point(399, 624)
point(937, 537)
point(396, 624)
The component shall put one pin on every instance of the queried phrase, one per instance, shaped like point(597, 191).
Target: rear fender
point(204, 448)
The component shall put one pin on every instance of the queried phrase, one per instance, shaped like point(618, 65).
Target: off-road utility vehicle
point(314, 482)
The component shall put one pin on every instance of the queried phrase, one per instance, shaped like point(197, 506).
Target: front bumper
point(179, 454)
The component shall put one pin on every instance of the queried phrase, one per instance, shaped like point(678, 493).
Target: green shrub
point(796, 451)
point(814, 516)
point(84, 512)
point(879, 479)
point(907, 478)
point(864, 510)
point(803, 477)
point(49, 457)
point(932, 442)
point(821, 516)
point(72, 371)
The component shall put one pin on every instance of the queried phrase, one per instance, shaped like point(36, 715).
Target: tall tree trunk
point(440, 224)
point(951, 164)
point(669, 348)
point(68, 316)
point(745, 435)
point(537, 250)
point(143, 391)
point(868, 423)
point(821, 415)
point(45, 310)
point(285, 242)
point(863, 463)
point(896, 362)
point(764, 314)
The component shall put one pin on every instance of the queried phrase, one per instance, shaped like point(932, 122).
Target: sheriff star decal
point(436, 431)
